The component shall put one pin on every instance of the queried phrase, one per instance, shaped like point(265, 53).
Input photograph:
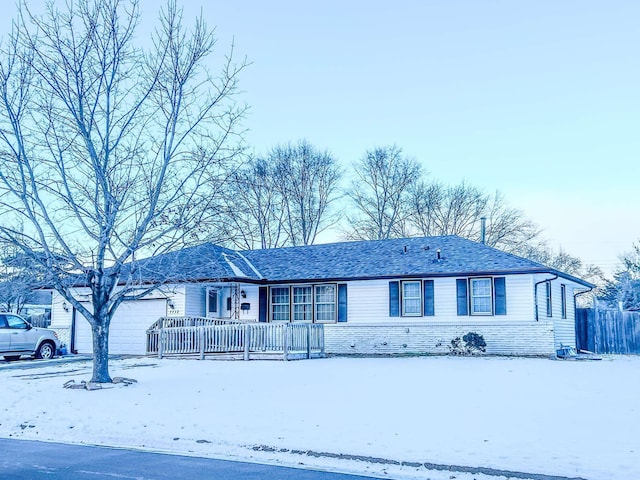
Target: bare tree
point(255, 209)
point(16, 283)
point(436, 209)
point(508, 228)
point(380, 191)
point(20, 277)
point(306, 179)
point(624, 290)
point(106, 150)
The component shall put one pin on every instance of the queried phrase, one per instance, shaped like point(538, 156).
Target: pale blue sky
point(538, 99)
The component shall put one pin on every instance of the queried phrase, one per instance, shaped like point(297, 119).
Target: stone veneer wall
point(503, 338)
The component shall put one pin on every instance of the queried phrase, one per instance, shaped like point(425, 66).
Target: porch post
point(201, 341)
point(285, 340)
point(247, 340)
point(160, 342)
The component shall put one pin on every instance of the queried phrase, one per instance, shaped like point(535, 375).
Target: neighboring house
point(30, 304)
point(401, 296)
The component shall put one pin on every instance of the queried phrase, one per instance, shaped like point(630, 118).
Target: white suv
point(18, 337)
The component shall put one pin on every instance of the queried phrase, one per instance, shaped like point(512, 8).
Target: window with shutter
point(394, 299)
point(429, 298)
point(461, 296)
point(500, 290)
point(411, 298)
point(342, 302)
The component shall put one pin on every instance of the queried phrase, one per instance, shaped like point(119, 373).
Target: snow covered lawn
point(575, 419)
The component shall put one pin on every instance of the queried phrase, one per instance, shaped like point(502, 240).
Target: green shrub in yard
point(471, 343)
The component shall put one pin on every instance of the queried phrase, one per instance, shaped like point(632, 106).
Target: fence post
point(201, 341)
point(160, 342)
point(285, 340)
point(247, 341)
point(308, 340)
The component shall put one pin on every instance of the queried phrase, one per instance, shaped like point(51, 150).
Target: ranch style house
point(400, 296)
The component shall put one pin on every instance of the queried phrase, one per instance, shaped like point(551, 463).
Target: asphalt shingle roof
point(202, 262)
point(402, 257)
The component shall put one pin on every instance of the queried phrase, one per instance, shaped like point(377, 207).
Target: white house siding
point(194, 300)
point(564, 328)
point(127, 333)
point(368, 302)
point(503, 338)
point(370, 330)
point(129, 325)
point(61, 318)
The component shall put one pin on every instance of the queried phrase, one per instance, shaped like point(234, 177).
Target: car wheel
point(46, 350)
point(11, 358)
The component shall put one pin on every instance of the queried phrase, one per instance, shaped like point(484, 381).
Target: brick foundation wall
point(512, 338)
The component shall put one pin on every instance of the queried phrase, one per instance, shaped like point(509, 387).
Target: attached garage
point(127, 334)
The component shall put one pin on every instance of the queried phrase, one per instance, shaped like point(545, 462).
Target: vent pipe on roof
point(438, 257)
point(483, 229)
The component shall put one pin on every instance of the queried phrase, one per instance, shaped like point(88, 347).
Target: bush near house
point(471, 343)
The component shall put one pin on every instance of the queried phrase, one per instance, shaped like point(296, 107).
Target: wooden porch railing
point(291, 340)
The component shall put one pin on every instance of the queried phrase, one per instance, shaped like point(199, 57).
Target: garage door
point(127, 334)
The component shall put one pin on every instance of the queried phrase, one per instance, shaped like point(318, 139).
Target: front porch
point(200, 336)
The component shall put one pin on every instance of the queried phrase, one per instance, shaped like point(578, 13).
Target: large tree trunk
point(100, 333)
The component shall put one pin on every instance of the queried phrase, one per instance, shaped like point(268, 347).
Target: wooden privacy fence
point(608, 331)
point(290, 340)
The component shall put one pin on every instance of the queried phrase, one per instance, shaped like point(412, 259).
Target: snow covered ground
point(573, 419)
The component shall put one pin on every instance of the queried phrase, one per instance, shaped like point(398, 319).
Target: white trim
point(402, 299)
point(472, 296)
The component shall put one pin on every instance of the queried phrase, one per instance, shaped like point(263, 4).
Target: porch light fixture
point(243, 294)
point(65, 307)
point(170, 303)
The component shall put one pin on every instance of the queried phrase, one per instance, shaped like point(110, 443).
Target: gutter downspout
point(535, 291)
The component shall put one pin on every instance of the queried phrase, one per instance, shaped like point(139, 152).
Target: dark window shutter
point(262, 304)
point(394, 299)
point(342, 302)
point(501, 295)
point(461, 295)
point(429, 304)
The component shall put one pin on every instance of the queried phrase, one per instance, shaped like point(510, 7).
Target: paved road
point(30, 460)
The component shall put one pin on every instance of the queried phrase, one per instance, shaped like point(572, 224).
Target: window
point(325, 303)
point(302, 304)
point(563, 299)
point(305, 303)
point(481, 296)
point(548, 296)
point(280, 304)
point(212, 305)
point(16, 322)
point(411, 299)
